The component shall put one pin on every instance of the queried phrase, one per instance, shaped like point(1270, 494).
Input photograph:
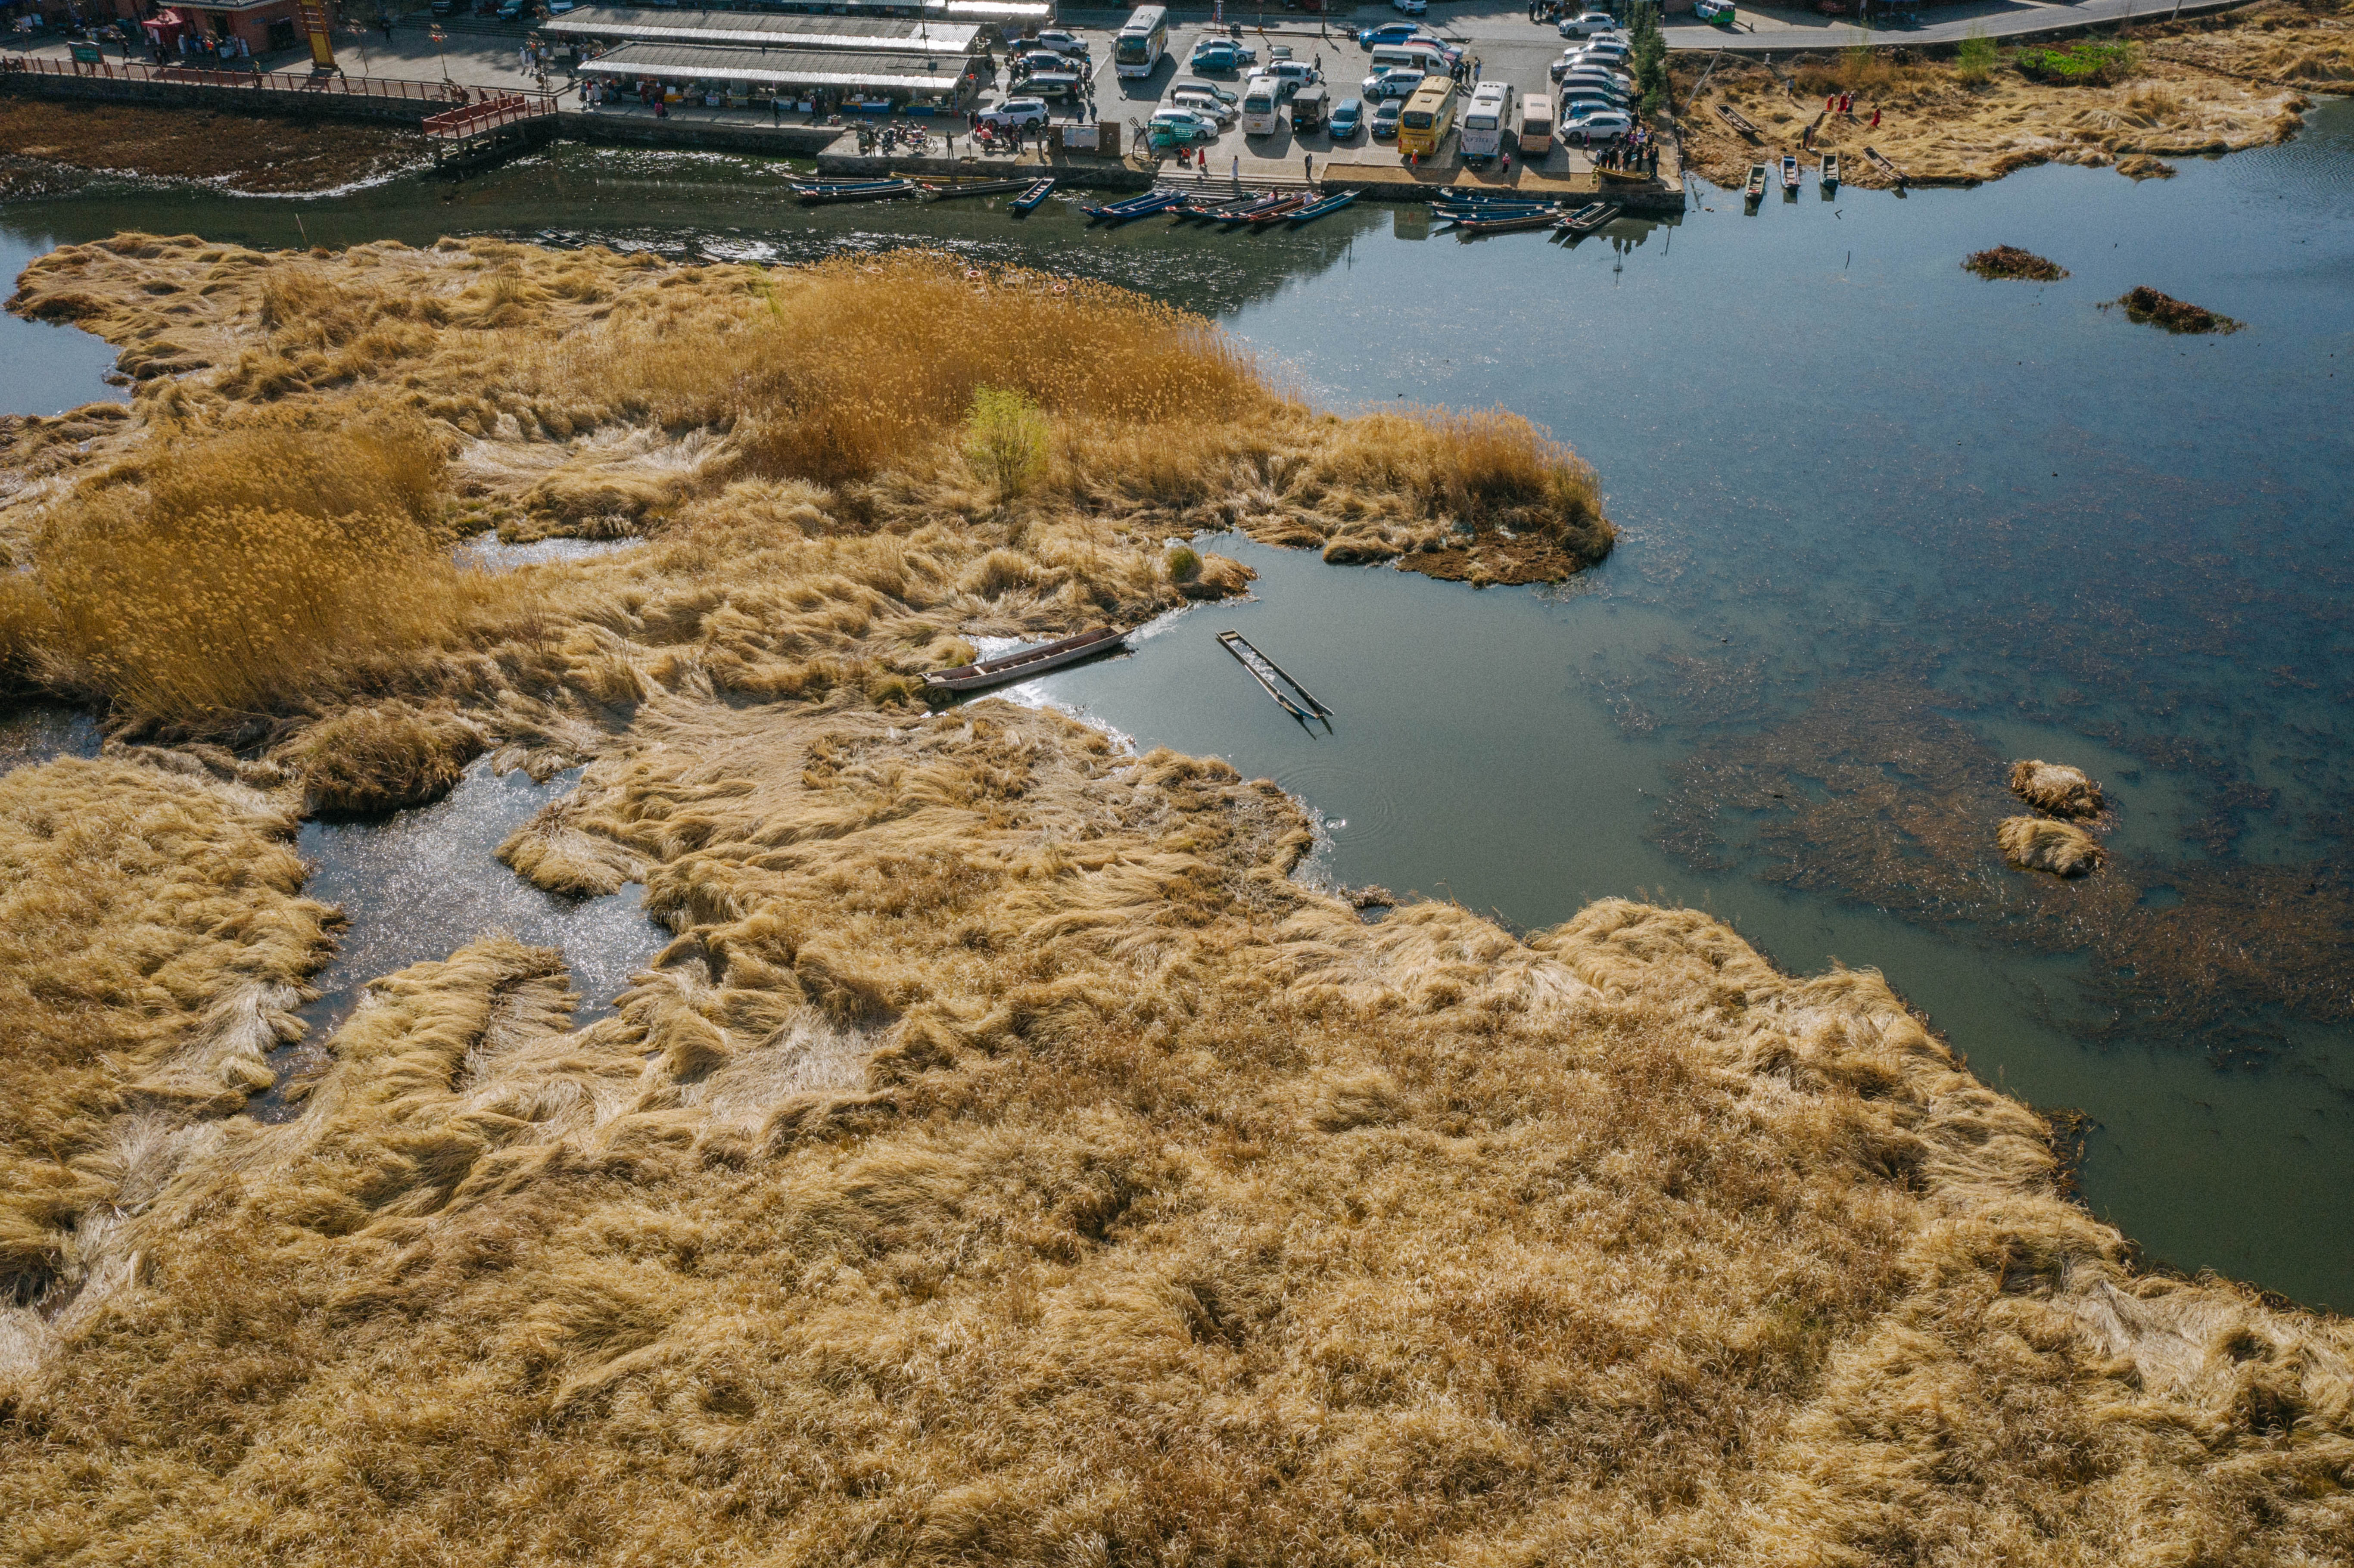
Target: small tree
point(1005, 439)
point(1976, 61)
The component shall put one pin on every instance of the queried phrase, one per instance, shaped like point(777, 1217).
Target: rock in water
point(2055, 786)
point(2038, 844)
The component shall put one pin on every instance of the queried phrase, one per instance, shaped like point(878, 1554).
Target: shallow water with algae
point(1887, 526)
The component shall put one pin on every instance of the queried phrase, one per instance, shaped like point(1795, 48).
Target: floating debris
point(2010, 261)
point(2056, 787)
point(2038, 843)
point(2147, 304)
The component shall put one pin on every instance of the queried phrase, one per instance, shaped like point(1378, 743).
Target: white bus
point(1262, 106)
point(1141, 42)
point(1486, 120)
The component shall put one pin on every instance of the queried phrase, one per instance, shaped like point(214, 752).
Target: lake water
point(1885, 527)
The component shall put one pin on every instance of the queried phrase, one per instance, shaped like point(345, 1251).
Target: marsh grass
point(1007, 1162)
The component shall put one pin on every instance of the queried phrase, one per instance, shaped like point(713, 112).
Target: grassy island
point(1006, 1160)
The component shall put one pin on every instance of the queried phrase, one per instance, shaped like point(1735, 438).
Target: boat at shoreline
point(973, 188)
point(1756, 190)
point(1790, 174)
point(1588, 219)
point(1143, 206)
point(1830, 176)
point(859, 190)
point(1038, 192)
point(1316, 209)
point(1024, 663)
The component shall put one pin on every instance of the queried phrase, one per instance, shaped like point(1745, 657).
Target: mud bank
point(46, 146)
point(1006, 1159)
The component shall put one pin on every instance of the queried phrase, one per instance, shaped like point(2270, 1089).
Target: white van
point(1426, 58)
point(1486, 119)
point(1262, 106)
point(1536, 125)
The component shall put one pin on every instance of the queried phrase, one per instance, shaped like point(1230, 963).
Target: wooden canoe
point(1789, 172)
point(1734, 118)
point(1330, 203)
point(1589, 217)
point(1756, 190)
point(1024, 663)
point(974, 188)
point(1873, 153)
point(1038, 191)
point(876, 190)
point(1624, 177)
point(1544, 219)
point(1830, 171)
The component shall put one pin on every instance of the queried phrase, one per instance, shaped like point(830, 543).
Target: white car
point(1412, 7)
point(1060, 43)
point(1609, 49)
point(1195, 101)
point(1598, 125)
point(1586, 27)
point(1298, 73)
point(1014, 115)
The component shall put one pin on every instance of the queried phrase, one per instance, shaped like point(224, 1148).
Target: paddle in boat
point(1038, 191)
point(1024, 663)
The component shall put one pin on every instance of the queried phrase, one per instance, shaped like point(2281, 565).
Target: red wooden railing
point(503, 110)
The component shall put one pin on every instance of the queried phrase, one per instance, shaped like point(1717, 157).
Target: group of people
point(211, 53)
point(1637, 152)
point(1840, 104)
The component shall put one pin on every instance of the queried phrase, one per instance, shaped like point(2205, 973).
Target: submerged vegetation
point(1007, 1159)
point(2010, 261)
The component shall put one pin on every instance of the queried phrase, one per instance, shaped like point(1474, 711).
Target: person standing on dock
point(1308, 168)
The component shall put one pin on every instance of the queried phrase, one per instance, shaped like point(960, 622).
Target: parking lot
point(1507, 48)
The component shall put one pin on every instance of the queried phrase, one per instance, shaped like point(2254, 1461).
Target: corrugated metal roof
point(779, 68)
point(876, 35)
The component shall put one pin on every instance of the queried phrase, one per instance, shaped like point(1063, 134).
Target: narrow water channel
point(1885, 526)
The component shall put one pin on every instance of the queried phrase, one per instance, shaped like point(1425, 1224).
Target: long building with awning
point(1017, 14)
point(939, 78)
point(764, 30)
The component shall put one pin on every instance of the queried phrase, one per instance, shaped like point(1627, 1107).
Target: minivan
point(1425, 57)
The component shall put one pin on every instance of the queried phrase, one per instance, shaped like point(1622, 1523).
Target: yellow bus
point(1429, 115)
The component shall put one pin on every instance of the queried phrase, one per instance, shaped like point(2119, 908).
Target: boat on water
point(1755, 189)
point(1316, 209)
point(1589, 217)
point(1545, 218)
point(1790, 172)
point(1830, 171)
point(1038, 191)
point(1144, 206)
point(1282, 208)
point(864, 190)
point(1201, 209)
point(971, 188)
point(1279, 682)
point(1024, 663)
point(1475, 193)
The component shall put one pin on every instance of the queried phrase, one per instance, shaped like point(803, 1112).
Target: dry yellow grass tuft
point(2038, 843)
point(1007, 1162)
point(1943, 128)
point(2056, 787)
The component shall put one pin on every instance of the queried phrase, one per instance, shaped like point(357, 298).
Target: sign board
point(1080, 138)
point(87, 53)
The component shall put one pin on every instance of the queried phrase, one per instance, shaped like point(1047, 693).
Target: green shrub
point(1976, 59)
point(2085, 63)
point(1005, 437)
point(1185, 566)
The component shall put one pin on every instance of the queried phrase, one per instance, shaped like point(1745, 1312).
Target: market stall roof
point(876, 35)
point(780, 67)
